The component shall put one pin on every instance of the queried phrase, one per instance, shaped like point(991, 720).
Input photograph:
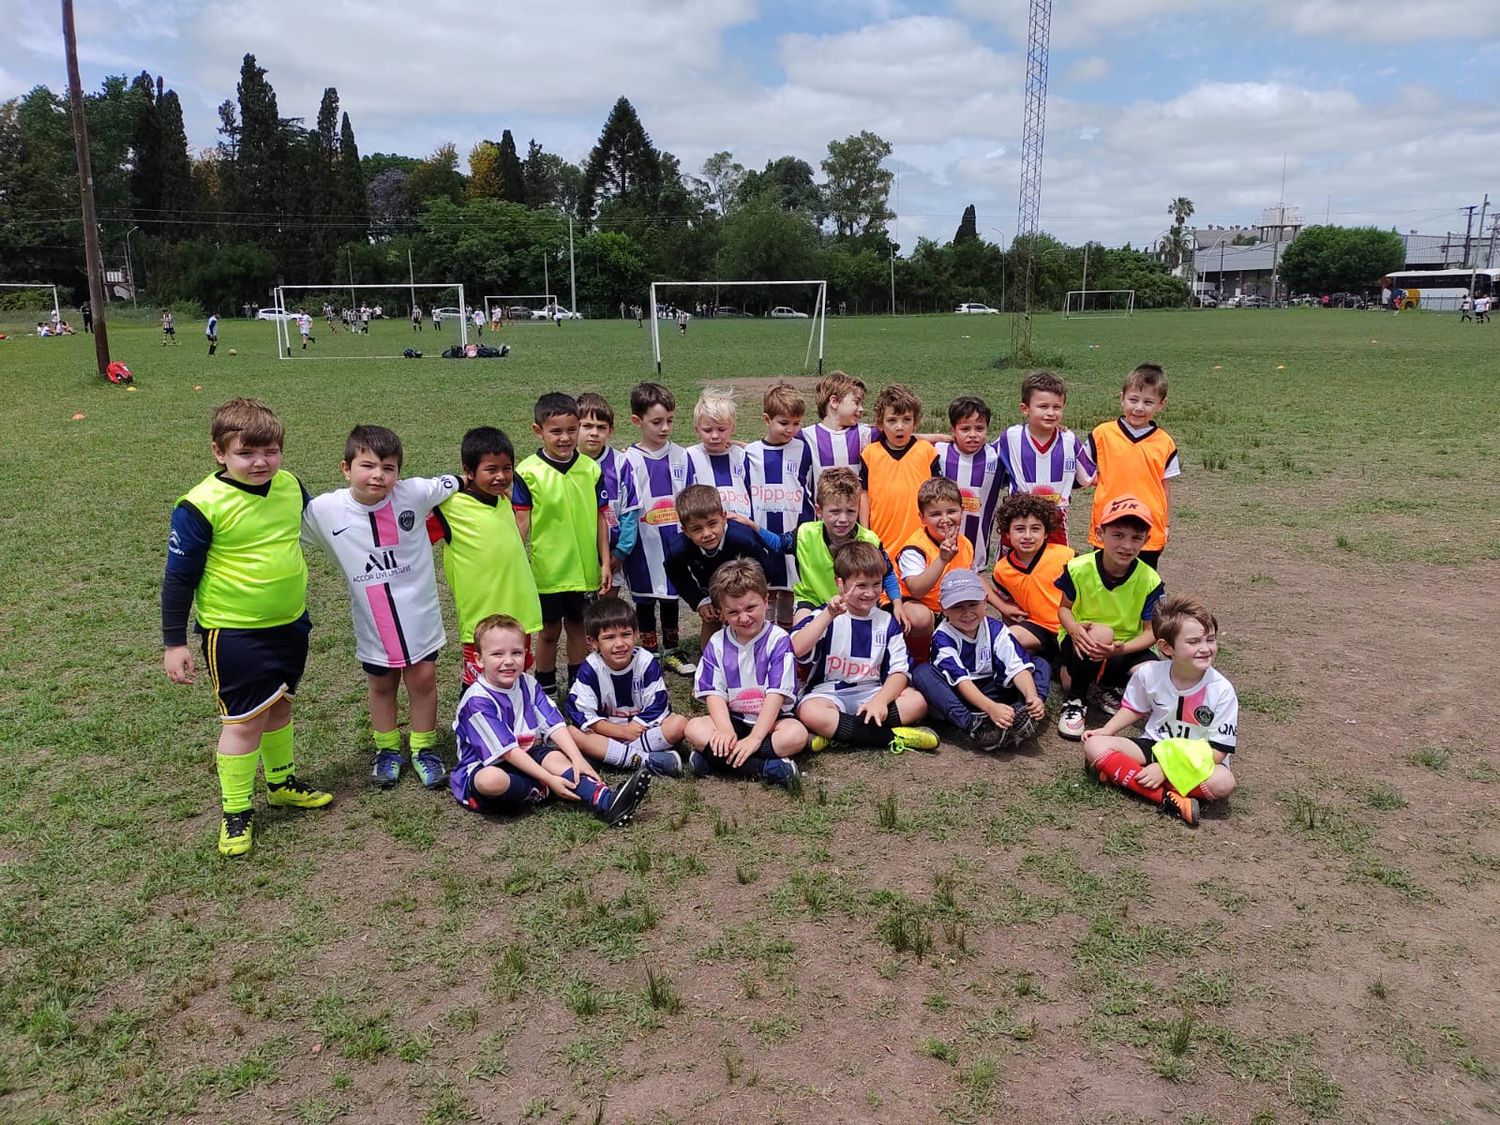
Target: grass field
point(908, 938)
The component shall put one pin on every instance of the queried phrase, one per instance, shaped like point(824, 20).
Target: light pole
point(1001, 233)
point(130, 269)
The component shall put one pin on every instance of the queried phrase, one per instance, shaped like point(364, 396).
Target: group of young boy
point(841, 574)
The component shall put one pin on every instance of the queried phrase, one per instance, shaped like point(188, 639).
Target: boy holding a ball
point(1108, 597)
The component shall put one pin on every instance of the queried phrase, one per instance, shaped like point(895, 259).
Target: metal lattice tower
point(1028, 213)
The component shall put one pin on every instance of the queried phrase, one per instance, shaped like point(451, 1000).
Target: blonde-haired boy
point(716, 461)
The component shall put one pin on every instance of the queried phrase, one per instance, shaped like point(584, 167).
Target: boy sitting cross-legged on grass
point(1026, 594)
point(857, 679)
point(979, 678)
point(747, 678)
point(618, 704)
point(376, 530)
point(235, 557)
point(1183, 697)
point(514, 748)
point(484, 558)
point(1108, 598)
point(935, 550)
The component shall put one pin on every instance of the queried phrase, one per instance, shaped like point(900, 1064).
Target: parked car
point(1254, 302)
point(1205, 300)
point(520, 312)
point(782, 312)
point(449, 312)
point(729, 310)
point(974, 308)
point(273, 313)
point(558, 313)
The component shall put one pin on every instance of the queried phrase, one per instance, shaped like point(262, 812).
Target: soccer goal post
point(506, 300)
point(39, 287)
point(1099, 303)
point(817, 319)
point(330, 299)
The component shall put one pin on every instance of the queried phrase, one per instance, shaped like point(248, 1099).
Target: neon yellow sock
point(423, 740)
point(388, 739)
point(236, 780)
point(276, 754)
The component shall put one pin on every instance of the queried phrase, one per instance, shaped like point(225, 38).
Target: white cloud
point(1090, 69)
point(1362, 21)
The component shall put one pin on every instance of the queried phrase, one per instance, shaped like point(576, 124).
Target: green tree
point(720, 184)
point(180, 197)
point(762, 242)
point(436, 178)
point(484, 171)
point(146, 151)
point(512, 176)
point(353, 203)
point(551, 181)
point(623, 164)
point(1178, 246)
point(261, 152)
point(858, 187)
point(968, 227)
point(1326, 259)
point(790, 183)
point(612, 267)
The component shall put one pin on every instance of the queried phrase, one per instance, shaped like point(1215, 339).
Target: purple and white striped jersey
point(854, 657)
point(1050, 470)
point(659, 476)
point(990, 652)
point(493, 721)
point(837, 449)
point(780, 479)
point(637, 693)
point(743, 673)
point(724, 471)
point(618, 482)
point(982, 480)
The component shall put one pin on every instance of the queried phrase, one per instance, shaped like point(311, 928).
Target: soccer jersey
point(892, 477)
point(1135, 464)
point(493, 721)
point(386, 558)
point(1209, 710)
point(484, 561)
point(567, 497)
point(982, 479)
point(620, 492)
point(659, 476)
point(780, 478)
point(836, 449)
point(854, 657)
point(212, 328)
point(916, 555)
point(635, 694)
point(1098, 598)
point(304, 323)
point(691, 568)
point(743, 673)
point(990, 652)
point(1049, 471)
point(1033, 587)
point(723, 471)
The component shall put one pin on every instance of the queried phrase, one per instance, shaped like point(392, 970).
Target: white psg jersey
point(386, 558)
point(659, 476)
point(1209, 710)
point(1050, 472)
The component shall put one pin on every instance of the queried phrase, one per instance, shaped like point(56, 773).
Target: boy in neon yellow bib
point(235, 557)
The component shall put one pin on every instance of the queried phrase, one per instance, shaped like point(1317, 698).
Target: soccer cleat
point(1183, 808)
point(675, 663)
point(1023, 728)
point(627, 797)
point(235, 832)
point(913, 738)
point(985, 734)
point(293, 794)
point(1109, 699)
point(385, 771)
point(1070, 722)
point(779, 771)
point(664, 763)
point(818, 743)
point(699, 764)
point(429, 768)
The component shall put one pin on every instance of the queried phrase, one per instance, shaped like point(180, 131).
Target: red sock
point(1202, 793)
point(1119, 768)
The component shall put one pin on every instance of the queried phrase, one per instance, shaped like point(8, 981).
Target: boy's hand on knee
point(742, 751)
point(870, 712)
point(177, 661)
point(561, 787)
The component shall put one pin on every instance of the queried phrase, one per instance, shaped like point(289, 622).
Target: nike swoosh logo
point(341, 531)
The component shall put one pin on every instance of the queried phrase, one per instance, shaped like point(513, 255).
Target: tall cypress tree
point(623, 165)
point(179, 196)
point(146, 151)
point(354, 204)
point(261, 154)
point(968, 227)
point(512, 178)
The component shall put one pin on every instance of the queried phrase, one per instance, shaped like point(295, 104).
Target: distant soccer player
point(211, 330)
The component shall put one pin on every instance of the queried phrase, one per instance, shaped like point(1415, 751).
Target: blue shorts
point(252, 668)
point(516, 797)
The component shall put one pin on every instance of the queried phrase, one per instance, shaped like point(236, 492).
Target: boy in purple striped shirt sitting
point(857, 682)
point(747, 679)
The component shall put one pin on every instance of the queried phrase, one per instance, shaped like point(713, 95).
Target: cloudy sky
point(1383, 112)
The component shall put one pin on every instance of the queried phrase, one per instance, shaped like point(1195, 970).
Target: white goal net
point(683, 303)
point(1099, 303)
point(369, 321)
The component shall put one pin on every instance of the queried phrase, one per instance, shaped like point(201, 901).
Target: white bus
point(1441, 290)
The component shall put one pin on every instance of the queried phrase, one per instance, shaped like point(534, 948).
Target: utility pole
point(1468, 234)
point(92, 258)
point(1474, 269)
point(572, 272)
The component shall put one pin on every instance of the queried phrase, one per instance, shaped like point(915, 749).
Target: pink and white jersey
point(743, 673)
point(660, 474)
point(837, 449)
point(1209, 710)
point(780, 479)
point(386, 558)
point(982, 480)
point(854, 657)
point(724, 471)
point(1049, 471)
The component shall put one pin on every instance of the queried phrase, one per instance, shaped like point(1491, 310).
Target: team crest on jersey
point(1203, 715)
point(407, 520)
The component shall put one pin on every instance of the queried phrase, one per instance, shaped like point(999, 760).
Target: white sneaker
point(1070, 722)
point(675, 663)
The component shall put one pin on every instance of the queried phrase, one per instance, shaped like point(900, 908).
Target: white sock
point(617, 753)
point(652, 741)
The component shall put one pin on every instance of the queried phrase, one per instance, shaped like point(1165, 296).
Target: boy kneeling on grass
point(1191, 714)
point(514, 748)
point(857, 691)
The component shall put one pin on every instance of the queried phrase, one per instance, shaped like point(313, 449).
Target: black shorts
point(1049, 650)
point(567, 605)
point(1147, 747)
point(213, 338)
point(252, 668)
point(383, 670)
